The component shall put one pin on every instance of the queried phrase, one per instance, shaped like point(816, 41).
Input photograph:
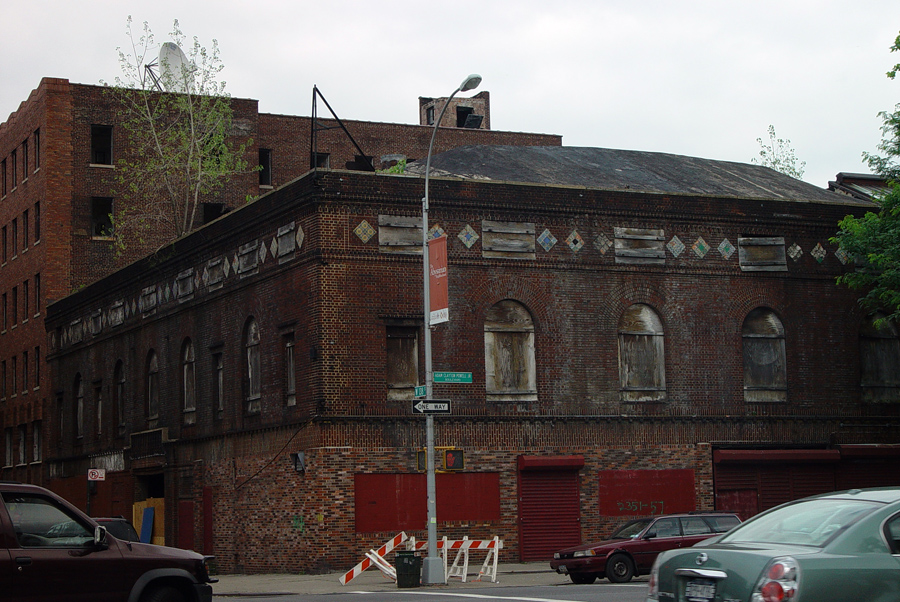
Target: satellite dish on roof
point(176, 71)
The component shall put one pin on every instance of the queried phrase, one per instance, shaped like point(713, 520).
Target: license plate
point(700, 590)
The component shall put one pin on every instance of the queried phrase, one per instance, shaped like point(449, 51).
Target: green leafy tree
point(873, 240)
point(778, 155)
point(178, 126)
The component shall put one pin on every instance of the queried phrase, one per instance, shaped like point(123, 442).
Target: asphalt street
point(526, 582)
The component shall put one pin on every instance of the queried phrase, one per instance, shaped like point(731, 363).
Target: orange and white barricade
point(460, 566)
point(376, 557)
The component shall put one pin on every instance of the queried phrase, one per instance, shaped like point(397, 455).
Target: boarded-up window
point(762, 254)
point(389, 503)
point(399, 234)
point(509, 353)
point(184, 286)
point(402, 371)
point(119, 396)
point(879, 353)
point(287, 242)
point(188, 388)
point(765, 372)
point(148, 299)
point(152, 388)
point(507, 240)
point(116, 314)
point(640, 246)
point(290, 371)
point(248, 259)
point(642, 365)
point(96, 324)
point(79, 407)
point(252, 376)
point(216, 270)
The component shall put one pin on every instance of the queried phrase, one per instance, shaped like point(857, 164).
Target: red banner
point(437, 280)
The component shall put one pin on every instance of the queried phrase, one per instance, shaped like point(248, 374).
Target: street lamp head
point(470, 83)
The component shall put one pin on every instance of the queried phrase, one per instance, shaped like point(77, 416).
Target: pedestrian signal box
point(454, 459)
point(446, 459)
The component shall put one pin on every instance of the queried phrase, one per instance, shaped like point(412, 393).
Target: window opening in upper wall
point(265, 167)
point(101, 217)
point(101, 145)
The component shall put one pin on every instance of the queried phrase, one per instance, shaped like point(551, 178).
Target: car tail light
point(778, 582)
point(653, 583)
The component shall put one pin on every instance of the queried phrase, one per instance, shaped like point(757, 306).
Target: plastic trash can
point(409, 569)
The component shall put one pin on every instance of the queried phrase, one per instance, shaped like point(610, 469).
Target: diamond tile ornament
point(300, 237)
point(198, 279)
point(842, 256)
point(205, 276)
point(547, 240)
point(675, 246)
point(795, 252)
point(726, 249)
point(364, 231)
point(262, 253)
point(436, 232)
point(168, 292)
point(602, 243)
point(818, 252)
point(468, 236)
point(700, 247)
point(234, 265)
point(273, 248)
point(575, 241)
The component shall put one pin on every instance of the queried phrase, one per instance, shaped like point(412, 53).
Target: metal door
point(549, 512)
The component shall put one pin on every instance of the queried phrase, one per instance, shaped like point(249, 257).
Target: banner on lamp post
point(437, 280)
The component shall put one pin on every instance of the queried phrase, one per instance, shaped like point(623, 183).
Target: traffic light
point(445, 459)
point(421, 462)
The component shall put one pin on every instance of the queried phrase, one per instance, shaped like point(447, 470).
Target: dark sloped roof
point(637, 171)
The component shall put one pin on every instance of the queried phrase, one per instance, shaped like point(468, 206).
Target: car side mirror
point(650, 535)
point(99, 536)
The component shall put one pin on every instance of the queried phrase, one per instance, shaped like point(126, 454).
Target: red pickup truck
point(50, 550)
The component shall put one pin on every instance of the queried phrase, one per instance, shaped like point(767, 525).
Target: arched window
point(879, 356)
point(252, 369)
point(765, 371)
point(152, 389)
point(78, 390)
point(188, 391)
point(119, 395)
point(509, 363)
point(642, 358)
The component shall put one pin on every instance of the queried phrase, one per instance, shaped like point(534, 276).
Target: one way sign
point(431, 406)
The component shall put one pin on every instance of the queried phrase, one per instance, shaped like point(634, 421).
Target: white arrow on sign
point(432, 406)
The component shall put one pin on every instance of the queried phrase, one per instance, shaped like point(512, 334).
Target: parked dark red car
point(633, 547)
point(50, 550)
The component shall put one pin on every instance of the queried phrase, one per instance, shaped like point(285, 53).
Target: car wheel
point(583, 578)
point(164, 593)
point(619, 569)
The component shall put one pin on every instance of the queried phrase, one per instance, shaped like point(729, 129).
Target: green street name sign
point(421, 391)
point(453, 377)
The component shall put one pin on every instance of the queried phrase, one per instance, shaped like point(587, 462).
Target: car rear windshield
point(810, 523)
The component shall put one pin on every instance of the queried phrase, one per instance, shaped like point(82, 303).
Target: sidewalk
point(522, 574)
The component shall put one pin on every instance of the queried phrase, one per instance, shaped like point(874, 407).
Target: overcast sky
point(699, 78)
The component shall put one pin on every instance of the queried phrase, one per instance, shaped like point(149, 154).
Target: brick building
point(645, 333)
point(58, 156)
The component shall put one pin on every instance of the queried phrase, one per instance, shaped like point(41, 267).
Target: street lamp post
point(433, 567)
